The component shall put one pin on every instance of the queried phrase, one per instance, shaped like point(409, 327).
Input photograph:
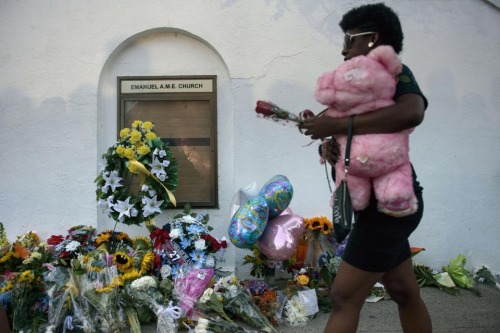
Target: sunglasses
point(348, 38)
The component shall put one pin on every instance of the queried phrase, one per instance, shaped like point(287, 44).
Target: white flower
point(162, 177)
point(134, 212)
point(210, 261)
point(233, 291)
point(175, 233)
point(163, 153)
point(206, 295)
point(295, 312)
point(72, 246)
point(144, 188)
point(200, 244)
point(165, 271)
point(144, 283)
point(123, 207)
point(165, 163)
point(156, 167)
point(112, 180)
point(156, 151)
point(151, 205)
point(188, 219)
point(152, 193)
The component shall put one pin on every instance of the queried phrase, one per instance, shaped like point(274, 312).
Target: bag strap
point(348, 144)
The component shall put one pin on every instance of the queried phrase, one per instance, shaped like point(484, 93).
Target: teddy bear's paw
point(397, 208)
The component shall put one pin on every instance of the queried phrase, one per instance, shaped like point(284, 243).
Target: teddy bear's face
point(360, 80)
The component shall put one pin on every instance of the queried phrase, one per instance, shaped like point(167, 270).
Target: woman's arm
point(407, 112)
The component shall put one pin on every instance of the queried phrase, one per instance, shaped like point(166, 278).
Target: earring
point(370, 44)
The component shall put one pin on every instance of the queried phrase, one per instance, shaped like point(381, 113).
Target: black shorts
point(378, 242)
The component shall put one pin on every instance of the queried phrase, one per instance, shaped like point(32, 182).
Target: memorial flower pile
point(185, 241)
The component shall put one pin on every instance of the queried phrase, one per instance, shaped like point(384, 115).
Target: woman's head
point(374, 24)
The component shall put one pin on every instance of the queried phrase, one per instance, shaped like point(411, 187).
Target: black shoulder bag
point(342, 207)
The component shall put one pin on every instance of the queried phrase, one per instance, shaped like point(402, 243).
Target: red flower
point(266, 108)
point(55, 239)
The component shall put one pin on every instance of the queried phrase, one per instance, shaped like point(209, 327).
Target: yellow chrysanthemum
point(123, 261)
point(135, 136)
point(137, 124)
point(143, 150)
point(147, 125)
point(129, 153)
point(120, 150)
point(124, 132)
point(150, 135)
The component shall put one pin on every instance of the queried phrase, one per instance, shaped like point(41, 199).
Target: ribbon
point(143, 169)
point(167, 315)
point(159, 236)
point(68, 323)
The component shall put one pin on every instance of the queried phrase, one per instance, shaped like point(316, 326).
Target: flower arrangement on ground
point(22, 288)
point(185, 241)
point(139, 155)
point(238, 301)
point(262, 267)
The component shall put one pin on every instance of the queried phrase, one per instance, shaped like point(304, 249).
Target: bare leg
point(349, 291)
point(402, 285)
point(4, 321)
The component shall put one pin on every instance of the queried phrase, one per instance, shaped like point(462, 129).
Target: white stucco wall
point(59, 61)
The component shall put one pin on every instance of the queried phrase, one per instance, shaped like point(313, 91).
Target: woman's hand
point(329, 151)
point(318, 127)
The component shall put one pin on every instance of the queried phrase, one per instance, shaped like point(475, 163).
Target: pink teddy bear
point(361, 85)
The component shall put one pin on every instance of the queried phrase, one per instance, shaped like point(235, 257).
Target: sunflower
point(316, 223)
point(123, 262)
point(142, 243)
point(131, 275)
point(103, 237)
point(147, 262)
point(327, 227)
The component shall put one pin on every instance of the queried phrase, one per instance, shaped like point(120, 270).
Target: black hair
point(376, 17)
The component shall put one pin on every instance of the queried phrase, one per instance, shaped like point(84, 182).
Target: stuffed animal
point(361, 85)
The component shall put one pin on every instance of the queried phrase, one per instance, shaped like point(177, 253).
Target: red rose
point(55, 239)
point(265, 108)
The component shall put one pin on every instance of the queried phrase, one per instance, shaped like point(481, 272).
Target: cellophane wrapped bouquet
point(238, 301)
point(147, 291)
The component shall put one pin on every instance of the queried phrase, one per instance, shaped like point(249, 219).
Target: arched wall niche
point(165, 52)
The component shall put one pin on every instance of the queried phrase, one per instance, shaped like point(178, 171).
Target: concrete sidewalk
point(465, 313)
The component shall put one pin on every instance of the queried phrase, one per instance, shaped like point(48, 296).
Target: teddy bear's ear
point(387, 57)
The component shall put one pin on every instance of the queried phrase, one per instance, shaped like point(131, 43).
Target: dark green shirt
point(407, 84)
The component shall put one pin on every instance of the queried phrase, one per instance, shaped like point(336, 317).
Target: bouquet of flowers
point(145, 291)
point(142, 155)
point(205, 325)
point(239, 302)
point(79, 240)
point(21, 284)
point(191, 286)
point(186, 241)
